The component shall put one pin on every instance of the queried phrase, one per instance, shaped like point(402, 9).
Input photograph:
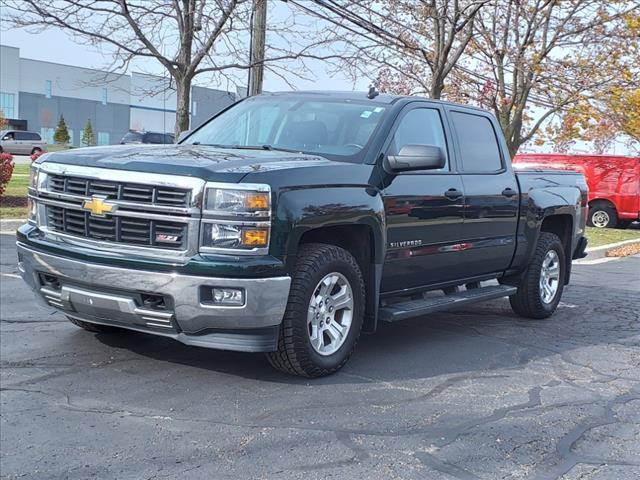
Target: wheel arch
point(349, 217)
point(562, 226)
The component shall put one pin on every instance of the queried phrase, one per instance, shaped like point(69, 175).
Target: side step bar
point(415, 308)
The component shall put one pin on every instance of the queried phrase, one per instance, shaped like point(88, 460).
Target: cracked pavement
point(476, 393)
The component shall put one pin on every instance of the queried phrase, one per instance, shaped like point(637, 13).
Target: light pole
point(256, 50)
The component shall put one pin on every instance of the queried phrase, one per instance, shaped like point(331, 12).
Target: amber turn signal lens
point(257, 201)
point(254, 237)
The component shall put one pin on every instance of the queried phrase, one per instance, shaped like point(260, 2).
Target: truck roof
point(382, 98)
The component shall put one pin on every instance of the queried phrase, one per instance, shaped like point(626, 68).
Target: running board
point(415, 308)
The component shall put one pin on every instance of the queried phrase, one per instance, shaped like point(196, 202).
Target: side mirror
point(183, 135)
point(416, 157)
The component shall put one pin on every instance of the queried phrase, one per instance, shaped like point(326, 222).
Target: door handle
point(453, 194)
point(509, 192)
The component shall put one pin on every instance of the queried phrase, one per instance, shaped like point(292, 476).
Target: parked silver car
point(19, 142)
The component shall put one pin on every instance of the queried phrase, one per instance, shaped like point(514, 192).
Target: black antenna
point(373, 93)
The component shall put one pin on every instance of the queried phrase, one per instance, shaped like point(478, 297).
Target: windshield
point(336, 129)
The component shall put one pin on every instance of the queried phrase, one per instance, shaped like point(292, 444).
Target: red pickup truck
point(614, 184)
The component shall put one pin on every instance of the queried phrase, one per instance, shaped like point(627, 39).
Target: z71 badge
point(405, 243)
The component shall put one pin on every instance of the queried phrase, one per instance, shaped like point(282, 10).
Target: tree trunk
point(183, 93)
point(437, 86)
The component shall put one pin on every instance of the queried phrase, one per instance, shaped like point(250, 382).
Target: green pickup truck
point(290, 223)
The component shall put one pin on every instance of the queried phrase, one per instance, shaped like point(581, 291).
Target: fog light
point(227, 296)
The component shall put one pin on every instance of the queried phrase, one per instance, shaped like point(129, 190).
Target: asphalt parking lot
point(476, 393)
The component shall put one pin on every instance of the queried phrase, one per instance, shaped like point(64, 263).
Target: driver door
point(424, 209)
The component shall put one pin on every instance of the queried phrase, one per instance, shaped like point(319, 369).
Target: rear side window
point(420, 126)
point(478, 143)
point(33, 136)
point(154, 138)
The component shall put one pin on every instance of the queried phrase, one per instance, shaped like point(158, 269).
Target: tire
point(602, 215)
point(531, 300)
point(94, 327)
point(296, 355)
point(36, 150)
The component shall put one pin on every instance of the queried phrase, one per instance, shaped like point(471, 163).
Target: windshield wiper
point(217, 145)
point(267, 147)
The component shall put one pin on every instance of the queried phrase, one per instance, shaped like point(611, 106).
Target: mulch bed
point(13, 201)
point(624, 251)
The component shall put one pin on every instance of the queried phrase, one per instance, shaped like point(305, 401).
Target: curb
point(601, 251)
point(10, 225)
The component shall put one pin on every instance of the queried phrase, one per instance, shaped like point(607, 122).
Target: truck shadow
point(483, 337)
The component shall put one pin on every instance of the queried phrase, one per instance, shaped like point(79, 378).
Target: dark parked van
point(133, 137)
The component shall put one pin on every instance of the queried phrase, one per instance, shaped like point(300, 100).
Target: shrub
point(87, 135)
point(6, 170)
point(61, 135)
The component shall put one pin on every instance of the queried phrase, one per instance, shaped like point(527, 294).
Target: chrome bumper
point(110, 295)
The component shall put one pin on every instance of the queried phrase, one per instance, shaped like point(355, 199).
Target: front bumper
point(118, 296)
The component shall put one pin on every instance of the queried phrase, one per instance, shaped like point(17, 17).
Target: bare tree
point(536, 58)
point(414, 45)
point(187, 38)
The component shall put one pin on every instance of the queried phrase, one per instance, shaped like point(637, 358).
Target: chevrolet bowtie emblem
point(98, 206)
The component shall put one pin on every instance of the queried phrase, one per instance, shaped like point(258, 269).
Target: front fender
point(301, 210)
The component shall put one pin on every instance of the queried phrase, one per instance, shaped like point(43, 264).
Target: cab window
point(420, 126)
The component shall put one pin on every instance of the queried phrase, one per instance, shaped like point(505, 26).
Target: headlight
point(221, 235)
point(237, 202)
point(33, 177)
point(236, 219)
point(32, 206)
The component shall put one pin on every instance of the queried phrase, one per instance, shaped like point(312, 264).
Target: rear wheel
point(324, 314)
point(540, 290)
point(602, 215)
point(95, 327)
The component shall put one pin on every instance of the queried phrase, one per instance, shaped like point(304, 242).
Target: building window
point(194, 110)
point(103, 138)
point(47, 88)
point(7, 104)
point(47, 134)
point(70, 136)
point(104, 96)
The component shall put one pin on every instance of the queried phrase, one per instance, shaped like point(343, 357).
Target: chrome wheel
point(600, 219)
point(330, 313)
point(549, 276)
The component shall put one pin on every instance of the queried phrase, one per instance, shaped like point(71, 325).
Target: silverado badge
point(98, 206)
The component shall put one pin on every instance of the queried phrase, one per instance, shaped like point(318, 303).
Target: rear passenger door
point(491, 193)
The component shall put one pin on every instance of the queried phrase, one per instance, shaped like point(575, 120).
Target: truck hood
point(201, 161)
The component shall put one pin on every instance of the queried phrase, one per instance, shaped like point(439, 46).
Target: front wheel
point(324, 314)
point(540, 289)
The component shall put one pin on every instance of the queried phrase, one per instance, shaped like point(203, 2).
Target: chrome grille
point(148, 214)
point(122, 229)
point(130, 192)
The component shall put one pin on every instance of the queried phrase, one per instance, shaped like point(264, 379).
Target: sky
point(56, 46)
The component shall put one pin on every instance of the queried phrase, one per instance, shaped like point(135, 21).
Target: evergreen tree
point(61, 135)
point(87, 135)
